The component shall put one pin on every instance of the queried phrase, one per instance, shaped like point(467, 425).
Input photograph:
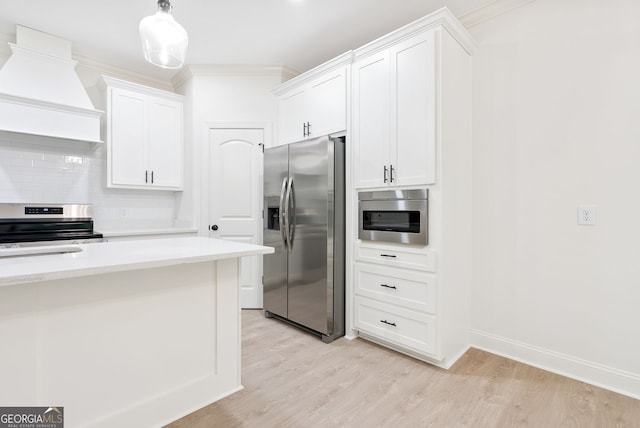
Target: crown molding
point(440, 18)
point(339, 61)
point(103, 68)
point(490, 11)
point(192, 70)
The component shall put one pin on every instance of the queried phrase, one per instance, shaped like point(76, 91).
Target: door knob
point(214, 227)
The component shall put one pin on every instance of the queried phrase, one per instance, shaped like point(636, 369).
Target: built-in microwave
point(399, 216)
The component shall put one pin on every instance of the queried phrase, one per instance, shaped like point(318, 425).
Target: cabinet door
point(165, 142)
point(413, 131)
point(293, 114)
point(127, 138)
point(371, 119)
point(328, 104)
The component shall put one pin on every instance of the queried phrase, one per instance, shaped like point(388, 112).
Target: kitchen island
point(128, 333)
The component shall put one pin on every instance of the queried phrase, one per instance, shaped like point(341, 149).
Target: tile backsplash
point(44, 170)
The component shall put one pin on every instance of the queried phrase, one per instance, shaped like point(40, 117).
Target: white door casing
point(235, 199)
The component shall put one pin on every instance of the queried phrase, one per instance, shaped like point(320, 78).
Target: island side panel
point(136, 348)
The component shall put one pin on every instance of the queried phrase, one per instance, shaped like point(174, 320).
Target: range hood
point(40, 92)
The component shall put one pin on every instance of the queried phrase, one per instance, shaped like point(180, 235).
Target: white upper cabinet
point(314, 103)
point(144, 129)
point(413, 92)
point(394, 95)
point(166, 142)
point(328, 103)
point(126, 137)
point(371, 123)
point(292, 115)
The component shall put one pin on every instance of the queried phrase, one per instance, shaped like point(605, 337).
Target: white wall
point(220, 94)
point(556, 125)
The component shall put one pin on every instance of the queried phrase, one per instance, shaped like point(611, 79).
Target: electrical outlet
point(586, 215)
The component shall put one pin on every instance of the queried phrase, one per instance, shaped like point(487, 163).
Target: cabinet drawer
point(397, 325)
point(394, 256)
point(413, 289)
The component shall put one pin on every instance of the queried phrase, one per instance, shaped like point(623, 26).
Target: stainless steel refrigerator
point(304, 221)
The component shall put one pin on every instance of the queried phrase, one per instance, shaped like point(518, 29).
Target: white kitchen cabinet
point(397, 256)
point(144, 128)
point(411, 127)
point(394, 114)
point(395, 305)
point(370, 120)
point(402, 287)
point(315, 103)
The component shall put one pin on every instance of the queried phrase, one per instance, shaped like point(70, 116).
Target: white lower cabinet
point(412, 329)
point(407, 299)
point(412, 289)
point(395, 305)
point(421, 259)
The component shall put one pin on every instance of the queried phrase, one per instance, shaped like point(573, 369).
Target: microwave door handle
point(283, 214)
point(290, 203)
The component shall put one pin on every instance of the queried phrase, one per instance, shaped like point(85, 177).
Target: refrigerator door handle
point(283, 213)
point(290, 218)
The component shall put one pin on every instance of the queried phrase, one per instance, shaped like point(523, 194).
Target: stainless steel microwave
point(394, 216)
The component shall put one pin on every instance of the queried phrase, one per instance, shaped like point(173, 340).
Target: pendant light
point(164, 41)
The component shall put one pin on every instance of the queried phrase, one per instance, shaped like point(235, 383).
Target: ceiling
point(299, 34)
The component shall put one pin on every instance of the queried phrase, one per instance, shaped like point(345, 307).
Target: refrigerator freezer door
point(276, 166)
point(310, 286)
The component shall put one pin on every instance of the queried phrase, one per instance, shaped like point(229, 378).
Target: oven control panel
point(43, 210)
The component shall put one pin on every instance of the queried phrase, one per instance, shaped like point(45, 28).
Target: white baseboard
point(616, 380)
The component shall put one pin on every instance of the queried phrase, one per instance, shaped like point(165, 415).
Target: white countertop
point(104, 257)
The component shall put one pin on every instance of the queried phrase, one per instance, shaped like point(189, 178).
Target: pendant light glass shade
point(164, 41)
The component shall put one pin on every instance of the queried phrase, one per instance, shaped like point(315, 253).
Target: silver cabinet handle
point(308, 129)
point(389, 286)
point(391, 173)
point(146, 176)
point(388, 323)
point(152, 177)
point(304, 129)
point(385, 174)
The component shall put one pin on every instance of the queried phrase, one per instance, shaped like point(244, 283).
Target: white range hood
point(40, 92)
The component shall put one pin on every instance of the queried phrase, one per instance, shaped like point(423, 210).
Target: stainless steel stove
point(23, 225)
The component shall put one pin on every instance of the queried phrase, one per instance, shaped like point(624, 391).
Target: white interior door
point(235, 204)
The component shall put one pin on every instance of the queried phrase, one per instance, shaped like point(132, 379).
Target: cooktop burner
point(46, 224)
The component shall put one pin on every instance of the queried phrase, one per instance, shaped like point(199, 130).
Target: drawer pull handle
point(393, 256)
point(389, 286)
point(388, 323)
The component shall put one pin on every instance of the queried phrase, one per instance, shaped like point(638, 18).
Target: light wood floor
point(292, 379)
